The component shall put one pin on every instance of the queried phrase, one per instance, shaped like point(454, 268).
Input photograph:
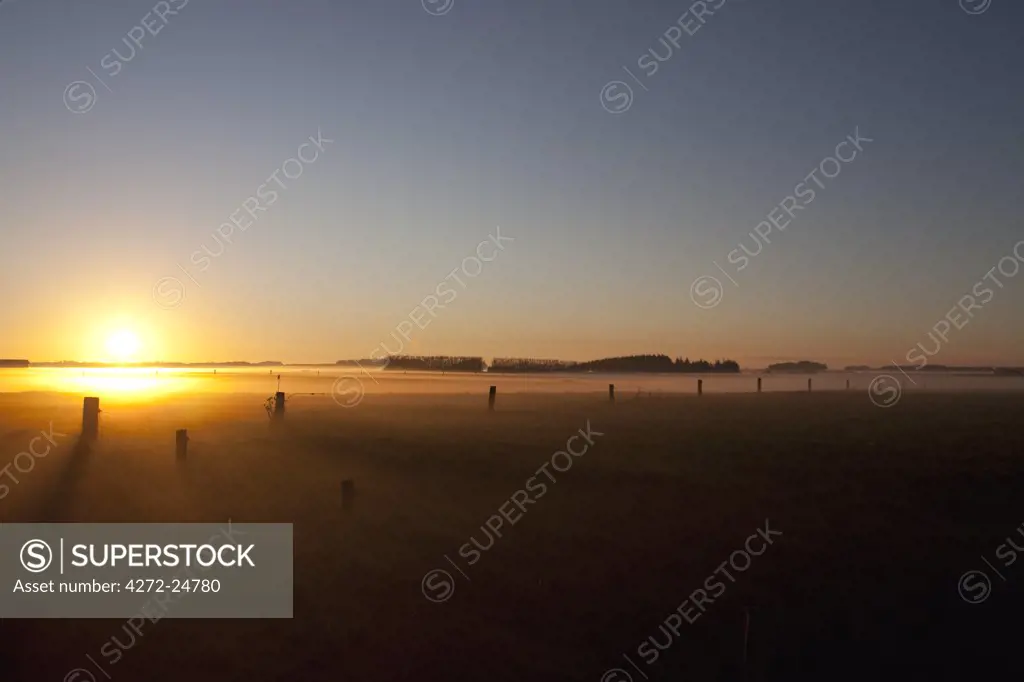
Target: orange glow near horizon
point(136, 383)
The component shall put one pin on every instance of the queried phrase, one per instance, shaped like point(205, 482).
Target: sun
point(123, 345)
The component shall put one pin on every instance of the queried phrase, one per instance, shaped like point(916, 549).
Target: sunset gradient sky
point(445, 127)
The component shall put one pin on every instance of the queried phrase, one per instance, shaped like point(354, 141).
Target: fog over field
point(349, 385)
point(436, 572)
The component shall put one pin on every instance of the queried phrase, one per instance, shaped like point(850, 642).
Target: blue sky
point(490, 114)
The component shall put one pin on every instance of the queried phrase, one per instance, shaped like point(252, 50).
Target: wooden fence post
point(181, 443)
point(91, 418)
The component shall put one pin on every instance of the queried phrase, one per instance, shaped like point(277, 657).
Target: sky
point(437, 125)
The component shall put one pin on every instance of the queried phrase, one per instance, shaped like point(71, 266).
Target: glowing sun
point(123, 346)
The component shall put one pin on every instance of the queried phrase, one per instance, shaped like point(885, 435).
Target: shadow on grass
point(57, 506)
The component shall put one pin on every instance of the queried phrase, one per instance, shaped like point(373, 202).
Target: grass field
point(881, 511)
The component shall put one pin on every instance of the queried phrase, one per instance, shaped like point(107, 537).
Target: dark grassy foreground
point(881, 512)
